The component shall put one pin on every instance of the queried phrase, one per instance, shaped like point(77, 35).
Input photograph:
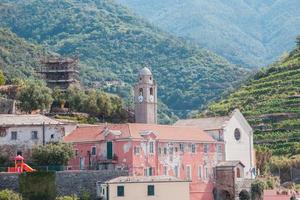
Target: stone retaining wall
point(68, 182)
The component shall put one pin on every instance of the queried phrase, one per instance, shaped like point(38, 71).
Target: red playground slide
point(20, 166)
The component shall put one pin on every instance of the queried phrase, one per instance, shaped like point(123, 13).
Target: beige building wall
point(163, 191)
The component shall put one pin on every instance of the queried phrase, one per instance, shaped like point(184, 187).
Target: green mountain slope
point(18, 58)
point(271, 102)
point(113, 44)
point(251, 32)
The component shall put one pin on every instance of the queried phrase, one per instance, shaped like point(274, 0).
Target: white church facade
point(236, 133)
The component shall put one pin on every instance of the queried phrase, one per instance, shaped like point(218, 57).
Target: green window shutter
point(120, 191)
point(151, 190)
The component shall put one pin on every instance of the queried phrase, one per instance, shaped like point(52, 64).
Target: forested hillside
point(18, 58)
point(271, 102)
point(247, 32)
point(113, 44)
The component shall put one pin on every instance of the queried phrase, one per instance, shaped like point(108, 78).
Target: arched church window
point(150, 77)
point(237, 134)
point(151, 91)
point(141, 91)
point(140, 78)
point(238, 173)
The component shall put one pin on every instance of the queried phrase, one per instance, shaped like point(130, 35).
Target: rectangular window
point(159, 150)
point(176, 169)
point(151, 191)
point(199, 172)
point(219, 148)
point(149, 171)
point(188, 172)
point(206, 173)
point(181, 147)
point(176, 149)
point(120, 191)
point(93, 151)
point(171, 150)
point(165, 170)
point(151, 147)
point(136, 150)
point(14, 135)
point(76, 152)
point(193, 148)
point(206, 147)
point(34, 135)
point(165, 151)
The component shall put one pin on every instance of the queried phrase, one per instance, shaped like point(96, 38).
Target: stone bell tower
point(145, 98)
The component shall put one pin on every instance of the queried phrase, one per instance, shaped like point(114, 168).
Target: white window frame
point(151, 147)
point(177, 171)
point(93, 147)
point(165, 170)
point(219, 148)
point(193, 148)
point(207, 149)
point(181, 147)
point(188, 176)
point(206, 172)
point(200, 172)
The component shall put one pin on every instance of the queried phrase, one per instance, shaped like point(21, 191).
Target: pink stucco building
point(187, 153)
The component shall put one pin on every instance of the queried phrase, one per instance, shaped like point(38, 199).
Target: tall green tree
point(52, 154)
point(34, 95)
point(2, 78)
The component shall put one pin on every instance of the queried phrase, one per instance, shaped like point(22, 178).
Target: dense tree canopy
point(52, 154)
point(113, 44)
point(255, 39)
point(34, 95)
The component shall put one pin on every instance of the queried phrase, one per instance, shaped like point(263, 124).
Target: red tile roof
point(85, 134)
point(134, 131)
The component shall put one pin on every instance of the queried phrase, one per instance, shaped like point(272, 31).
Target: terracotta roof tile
point(135, 131)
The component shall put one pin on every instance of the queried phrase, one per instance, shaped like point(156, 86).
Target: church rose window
point(237, 134)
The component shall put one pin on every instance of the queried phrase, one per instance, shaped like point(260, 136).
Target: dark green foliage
point(18, 58)
point(98, 104)
point(53, 154)
point(113, 44)
point(271, 102)
point(248, 32)
point(9, 195)
point(257, 190)
point(244, 195)
point(34, 95)
point(38, 186)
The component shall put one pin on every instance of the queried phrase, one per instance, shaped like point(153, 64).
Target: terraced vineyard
point(271, 102)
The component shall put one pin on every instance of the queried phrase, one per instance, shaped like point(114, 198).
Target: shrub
point(73, 197)
point(9, 195)
point(52, 154)
point(86, 195)
point(257, 190)
point(244, 195)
